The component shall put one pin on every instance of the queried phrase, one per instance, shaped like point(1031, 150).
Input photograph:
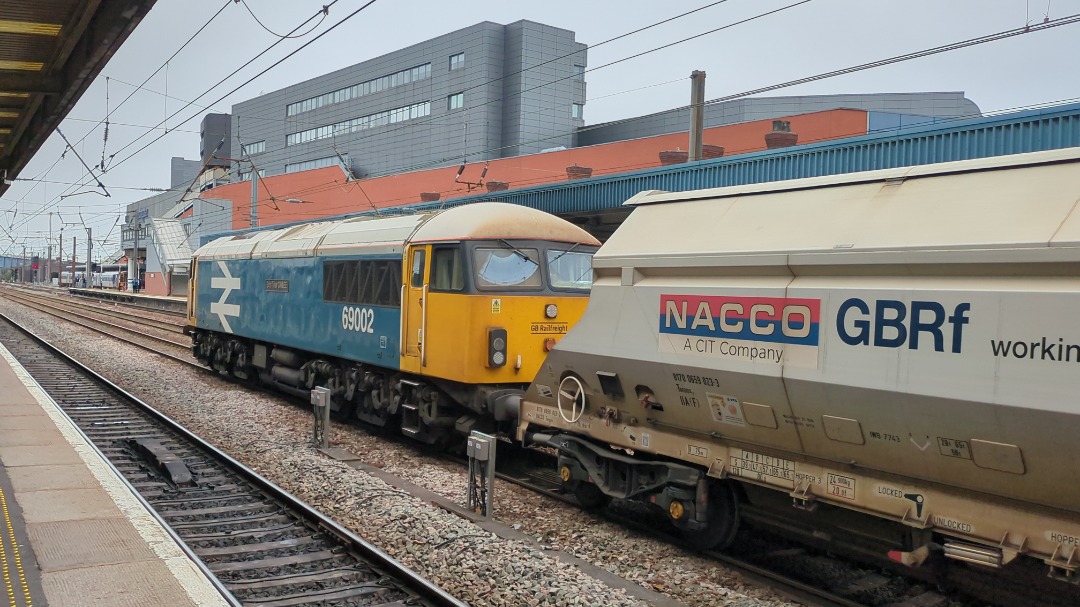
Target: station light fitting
point(25, 66)
point(8, 26)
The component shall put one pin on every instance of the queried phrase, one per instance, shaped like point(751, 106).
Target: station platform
point(73, 533)
point(165, 302)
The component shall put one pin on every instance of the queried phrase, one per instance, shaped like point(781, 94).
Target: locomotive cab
point(488, 311)
point(480, 311)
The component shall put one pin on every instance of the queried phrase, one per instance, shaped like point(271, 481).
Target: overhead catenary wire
point(350, 207)
point(324, 10)
point(848, 70)
point(246, 82)
point(869, 65)
point(592, 69)
point(413, 124)
point(230, 75)
point(125, 100)
point(86, 166)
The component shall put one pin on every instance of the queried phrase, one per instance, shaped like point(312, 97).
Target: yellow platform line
point(16, 557)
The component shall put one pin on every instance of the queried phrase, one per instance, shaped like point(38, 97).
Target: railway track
point(539, 475)
point(809, 575)
point(179, 348)
point(825, 572)
point(526, 469)
point(116, 310)
point(267, 548)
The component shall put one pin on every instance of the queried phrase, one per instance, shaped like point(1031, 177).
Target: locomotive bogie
point(910, 358)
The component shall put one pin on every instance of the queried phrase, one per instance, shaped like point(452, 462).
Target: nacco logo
point(768, 319)
point(893, 324)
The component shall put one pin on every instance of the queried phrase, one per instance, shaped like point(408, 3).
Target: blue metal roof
point(962, 139)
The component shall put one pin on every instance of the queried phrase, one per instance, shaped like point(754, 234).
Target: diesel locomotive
point(433, 322)
point(889, 355)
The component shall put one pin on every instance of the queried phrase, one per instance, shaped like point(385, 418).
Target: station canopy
point(50, 52)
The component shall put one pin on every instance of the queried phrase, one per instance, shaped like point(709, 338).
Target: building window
point(251, 149)
point(576, 110)
point(579, 72)
point(377, 85)
point(246, 175)
point(409, 112)
point(455, 101)
point(318, 163)
point(457, 61)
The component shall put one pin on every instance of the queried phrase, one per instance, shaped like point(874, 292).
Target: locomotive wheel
point(590, 497)
point(344, 411)
point(723, 520)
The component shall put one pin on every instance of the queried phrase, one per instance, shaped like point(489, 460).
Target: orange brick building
point(319, 193)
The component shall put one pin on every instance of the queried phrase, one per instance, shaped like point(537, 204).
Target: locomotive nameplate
point(277, 286)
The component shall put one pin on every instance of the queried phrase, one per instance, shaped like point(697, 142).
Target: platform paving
point(73, 532)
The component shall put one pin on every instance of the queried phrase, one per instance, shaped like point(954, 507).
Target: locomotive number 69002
point(358, 319)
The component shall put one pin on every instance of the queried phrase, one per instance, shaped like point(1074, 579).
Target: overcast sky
point(808, 38)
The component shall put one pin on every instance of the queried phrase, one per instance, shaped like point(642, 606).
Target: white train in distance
point(99, 280)
point(891, 357)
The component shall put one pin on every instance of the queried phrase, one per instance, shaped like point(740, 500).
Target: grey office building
point(487, 91)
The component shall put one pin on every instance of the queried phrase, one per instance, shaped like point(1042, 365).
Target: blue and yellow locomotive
point(434, 321)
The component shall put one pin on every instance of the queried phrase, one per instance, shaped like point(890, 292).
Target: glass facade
point(401, 114)
point(257, 147)
point(359, 90)
point(317, 163)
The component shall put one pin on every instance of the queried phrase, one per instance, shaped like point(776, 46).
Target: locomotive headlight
point(496, 347)
point(551, 311)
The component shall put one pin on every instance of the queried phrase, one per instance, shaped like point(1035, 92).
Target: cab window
point(447, 269)
point(417, 280)
point(507, 268)
point(569, 269)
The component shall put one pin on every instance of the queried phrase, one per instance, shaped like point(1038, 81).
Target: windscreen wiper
point(516, 250)
point(572, 247)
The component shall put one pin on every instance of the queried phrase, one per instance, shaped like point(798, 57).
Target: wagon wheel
point(723, 516)
point(572, 397)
